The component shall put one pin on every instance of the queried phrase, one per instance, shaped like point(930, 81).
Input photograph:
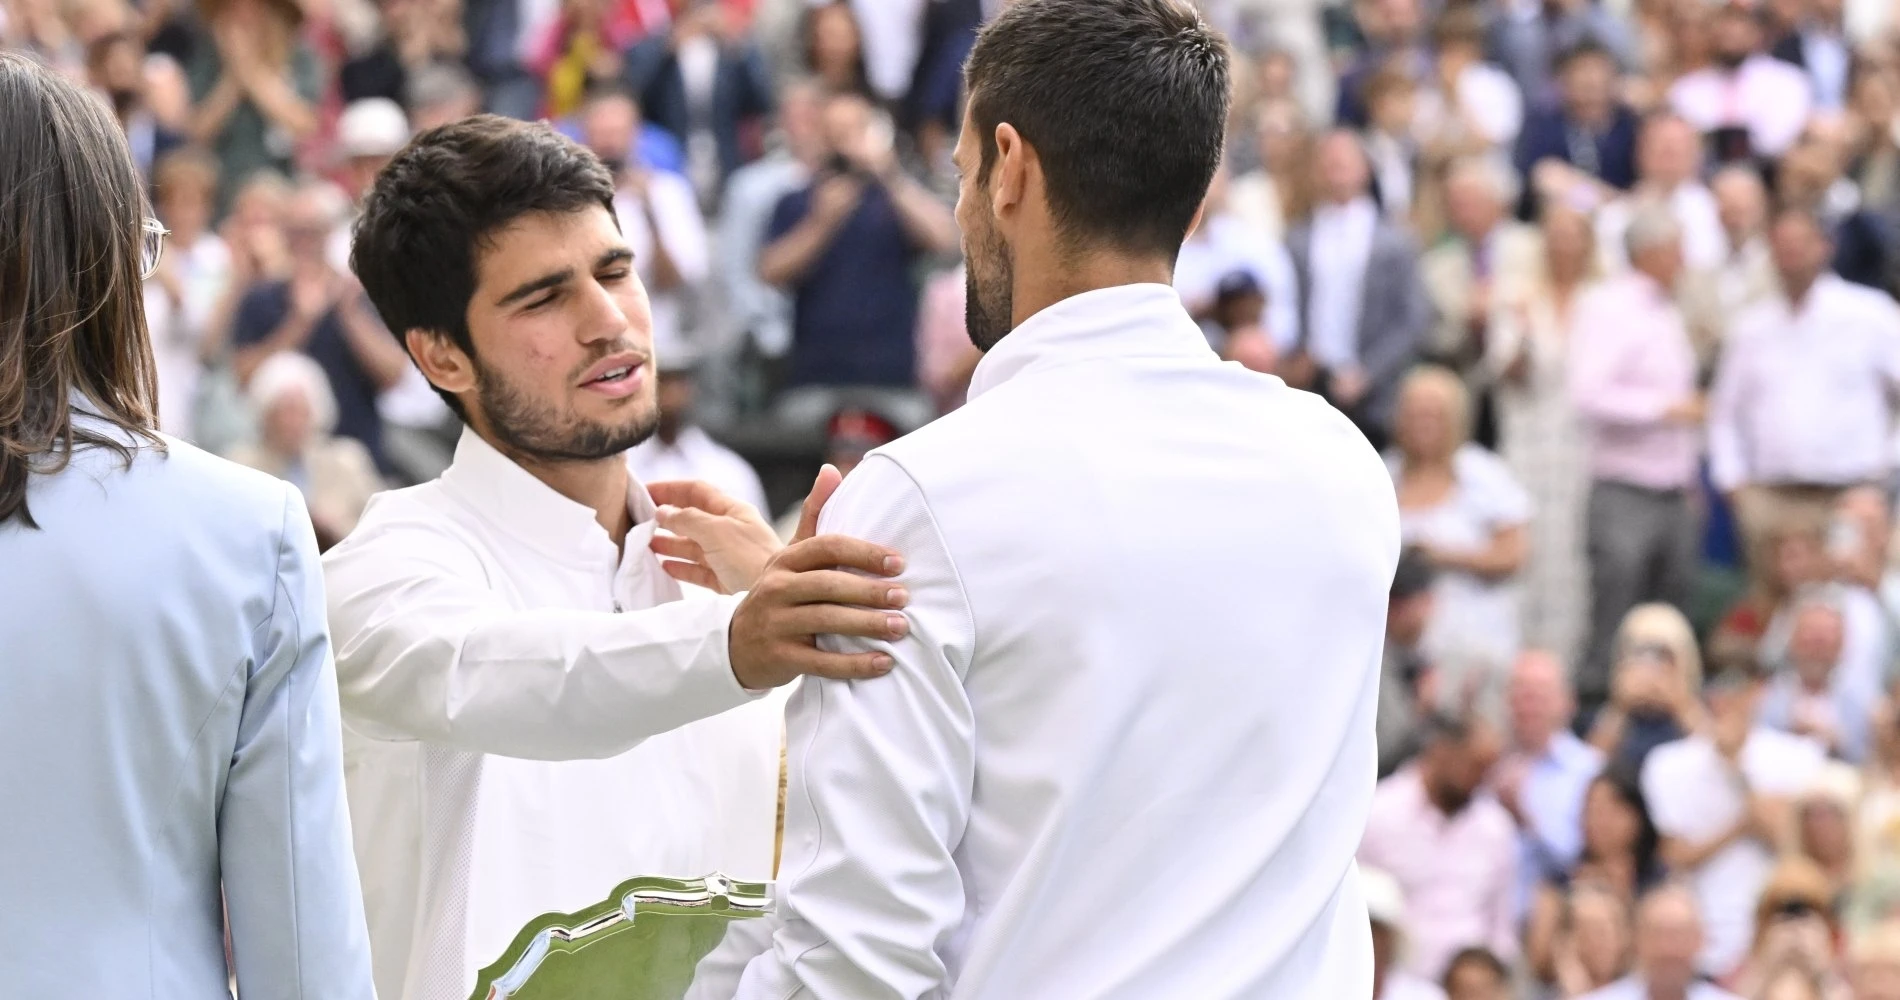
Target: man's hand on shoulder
point(797, 593)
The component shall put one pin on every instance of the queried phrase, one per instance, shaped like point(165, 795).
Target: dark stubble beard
point(534, 430)
point(988, 299)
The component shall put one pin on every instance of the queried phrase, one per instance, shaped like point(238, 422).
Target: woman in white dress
point(1539, 435)
point(1460, 504)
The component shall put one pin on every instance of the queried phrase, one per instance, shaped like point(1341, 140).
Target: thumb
point(827, 483)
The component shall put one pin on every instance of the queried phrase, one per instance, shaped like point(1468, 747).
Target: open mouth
point(614, 375)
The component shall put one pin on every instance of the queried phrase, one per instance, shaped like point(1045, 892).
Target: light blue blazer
point(168, 726)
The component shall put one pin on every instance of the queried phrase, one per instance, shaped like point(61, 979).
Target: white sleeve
point(427, 651)
point(881, 776)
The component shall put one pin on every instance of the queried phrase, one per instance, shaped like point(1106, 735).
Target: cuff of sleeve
point(723, 655)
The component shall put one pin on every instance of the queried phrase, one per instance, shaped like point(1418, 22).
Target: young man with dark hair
point(536, 709)
point(1127, 749)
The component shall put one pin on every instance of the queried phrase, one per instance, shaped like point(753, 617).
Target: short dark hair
point(436, 205)
point(1125, 102)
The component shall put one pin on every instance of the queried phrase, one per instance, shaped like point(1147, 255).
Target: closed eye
point(616, 275)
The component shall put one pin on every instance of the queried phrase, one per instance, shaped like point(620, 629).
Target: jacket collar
point(515, 501)
point(1124, 321)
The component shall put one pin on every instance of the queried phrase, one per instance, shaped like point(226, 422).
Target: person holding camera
point(844, 248)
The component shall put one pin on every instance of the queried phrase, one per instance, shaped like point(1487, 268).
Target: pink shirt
point(1459, 872)
point(1630, 361)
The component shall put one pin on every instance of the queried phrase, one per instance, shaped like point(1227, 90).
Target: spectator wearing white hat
point(296, 417)
point(1385, 902)
point(368, 134)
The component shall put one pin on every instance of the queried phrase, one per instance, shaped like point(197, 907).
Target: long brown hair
point(72, 313)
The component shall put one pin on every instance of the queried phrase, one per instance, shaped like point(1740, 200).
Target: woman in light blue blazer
point(168, 714)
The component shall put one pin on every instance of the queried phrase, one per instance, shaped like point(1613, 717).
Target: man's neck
point(1657, 992)
point(1039, 288)
point(600, 484)
point(1536, 745)
point(1798, 291)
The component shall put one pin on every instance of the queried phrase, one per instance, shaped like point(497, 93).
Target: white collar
point(1123, 321)
point(531, 510)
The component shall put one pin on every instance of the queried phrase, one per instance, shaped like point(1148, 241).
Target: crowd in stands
point(1611, 283)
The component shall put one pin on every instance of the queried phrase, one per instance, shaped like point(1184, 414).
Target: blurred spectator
point(1485, 253)
point(761, 312)
point(1450, 845)
point(850, 434)
point(1860, 538)
point(1540, 435)
point(1391, 143)
point(945, 356)
point(1793, 550)
point(1459, 504)
point(1591, 946)
point(704, 82)
point(254, 84)
point(1874, 152)
point(295, 416)
point(1477, 974)
point(193, 276)
point(834, 47)
point(1819, 46)
point(1722, 799)
point(115, 66)
point(1875, 959)
point(1747, 104)
point(679, 449)
point(1654, 687)
point(416, 35)
point(1811, 696)
point(1544, 775)
point(1714, 297)
point(1385, 902)
point(1825, 816)
point(1240, 319)
point(1530, 39)
point(1365, 312)
point(1224, 245)
point(369, 134)
point(1588, 129)
point(1395, 37)
point(1803, 398)
point(582, 50)
point(1406, 697)
point(1633, 376)
point(1469, 106)
point(1863, 244)
point(1619, 863)
point(845, 246)
point(1794, 937)
point(1669, 937)
point(1668, 166)
point(1274, 191)
point(438, 95)
point(657, 210)
point(321, 311)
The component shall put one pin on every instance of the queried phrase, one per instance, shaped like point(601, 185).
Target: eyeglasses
point(152, 247)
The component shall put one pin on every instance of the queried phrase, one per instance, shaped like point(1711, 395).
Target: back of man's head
point(1124, 103)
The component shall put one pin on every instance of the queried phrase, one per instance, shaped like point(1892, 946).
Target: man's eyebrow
point(553, 279)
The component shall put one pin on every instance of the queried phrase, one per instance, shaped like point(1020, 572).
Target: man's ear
point(1194, 226)
point(445, 365)
point(1010, 174)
